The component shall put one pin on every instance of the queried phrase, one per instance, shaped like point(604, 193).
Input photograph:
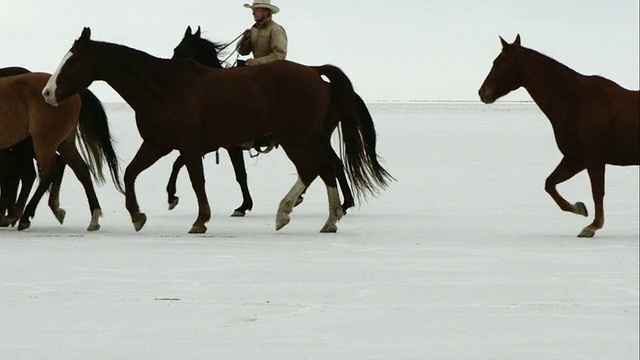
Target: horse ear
point(198, 32)
point(188, 31)
point(504, 43)
point(86, 34)
point(517, 41)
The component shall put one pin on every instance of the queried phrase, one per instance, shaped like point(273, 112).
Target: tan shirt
point(267, 42)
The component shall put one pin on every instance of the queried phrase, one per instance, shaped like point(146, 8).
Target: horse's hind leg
point(172, 199)
point(54, 191)
point(328, 174)
point(313, 161)
point(349, 201)
point(72, 157)
point(196, 174)
point(237, 160)
point(596, 175)
point(288, 202)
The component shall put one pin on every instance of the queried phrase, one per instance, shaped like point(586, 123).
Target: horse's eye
point(500, 60)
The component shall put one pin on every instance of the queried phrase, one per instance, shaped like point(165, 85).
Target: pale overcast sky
point(391, 50)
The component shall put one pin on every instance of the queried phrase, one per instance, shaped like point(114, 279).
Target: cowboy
point(266, 39)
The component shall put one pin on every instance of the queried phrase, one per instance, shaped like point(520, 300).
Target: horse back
point(249, 102)
point(24, 113)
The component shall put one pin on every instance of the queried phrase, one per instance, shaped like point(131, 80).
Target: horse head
point(505, 75)
point(194, 46)
point(75, 72)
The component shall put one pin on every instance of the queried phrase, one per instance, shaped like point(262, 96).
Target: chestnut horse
point(193, 46)
point(16, 168)
point(181, 104)
point(23, 114)
point(595, 121)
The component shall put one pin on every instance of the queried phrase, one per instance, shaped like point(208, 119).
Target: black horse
point(207, 53)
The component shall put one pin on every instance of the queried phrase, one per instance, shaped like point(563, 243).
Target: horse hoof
point(5, 222)
point(329, 229)
point(60, 214)
point(173, 203)
point(238, 213)
point(139, 220)
point(198, 229)
point(281, 222)
point(24, 225)
point(93, 227)
point(346, 207)
point(586, 233)
point(581, 209)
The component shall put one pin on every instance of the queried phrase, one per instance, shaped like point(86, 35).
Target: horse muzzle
point(486, 96)
point(49, 97)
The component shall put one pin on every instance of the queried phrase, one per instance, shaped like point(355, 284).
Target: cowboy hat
point(264, 4)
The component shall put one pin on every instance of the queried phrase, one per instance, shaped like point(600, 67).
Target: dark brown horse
point(193, 46)
point(23, 114)
point(183, 105)
point(595, 121)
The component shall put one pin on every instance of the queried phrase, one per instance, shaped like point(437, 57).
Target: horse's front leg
point(237, 160)
point(567, 168)
point(146, 156)
point(596, 176)
point(27, 179)
point(196, 174)
point(8, 189)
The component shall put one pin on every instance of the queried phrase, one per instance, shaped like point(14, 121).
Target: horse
point(16, 167)
point(24, 115)
point(194, 46)
point(181, 104)
point(595, 121)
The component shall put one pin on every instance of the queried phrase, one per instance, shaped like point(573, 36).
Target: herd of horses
point(192, 104)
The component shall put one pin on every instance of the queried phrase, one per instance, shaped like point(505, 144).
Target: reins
point(234, 51)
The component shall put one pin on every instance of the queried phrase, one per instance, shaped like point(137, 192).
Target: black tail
point(358, 135)
point(368, 131)
point(96, 139)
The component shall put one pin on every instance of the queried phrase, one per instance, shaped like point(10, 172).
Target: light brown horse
point(23, 114)
point(183, 105)
point(595, 121)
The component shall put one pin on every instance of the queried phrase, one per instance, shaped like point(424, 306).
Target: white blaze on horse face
point(49, 91)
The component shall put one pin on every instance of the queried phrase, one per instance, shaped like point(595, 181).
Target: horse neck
point(210, 62)
point(137, 76)
point(548, 82)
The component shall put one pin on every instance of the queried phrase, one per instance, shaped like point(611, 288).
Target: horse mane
point(564, 70)
point(210, 52)
point(551, 62)
point(154, 67)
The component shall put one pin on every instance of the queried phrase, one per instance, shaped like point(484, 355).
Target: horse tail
point(95, 139)
point(358, 135)
point(368, 132)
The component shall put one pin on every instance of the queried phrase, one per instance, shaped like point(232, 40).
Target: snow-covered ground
point(465, 256)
